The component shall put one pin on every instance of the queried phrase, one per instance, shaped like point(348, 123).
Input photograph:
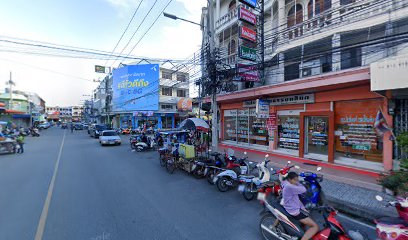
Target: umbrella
point(194, 124)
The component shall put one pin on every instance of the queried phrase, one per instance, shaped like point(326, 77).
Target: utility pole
point(213, 76)
point(11, 84)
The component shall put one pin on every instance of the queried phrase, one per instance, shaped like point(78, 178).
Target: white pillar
point(336, 11)
point(281, 18)
point(336, 55)
point(217, 10)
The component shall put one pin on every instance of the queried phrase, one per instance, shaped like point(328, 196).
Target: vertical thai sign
point(247, 16)
point(247, 53)
point(262, 108)
point(250, 3)
point(248, 72)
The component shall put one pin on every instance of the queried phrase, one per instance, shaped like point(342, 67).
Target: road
point(66, 186)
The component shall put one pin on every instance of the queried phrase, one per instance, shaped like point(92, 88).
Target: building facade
point(64, 114)
point(314, 100)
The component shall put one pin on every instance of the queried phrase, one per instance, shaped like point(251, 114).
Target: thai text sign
point(135, 88)
point(293, 99)
point(247, 33)
point(248, 72)
point(262, 108)
point(247, 16)
point(247, 53)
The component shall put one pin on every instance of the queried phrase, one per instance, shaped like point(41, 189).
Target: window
point(166, 106)
point(181, 93)
point(167, 92)
point(293, 18)
point(181, 78)
point(166, 75)
point(232, 5)
point(232, 47)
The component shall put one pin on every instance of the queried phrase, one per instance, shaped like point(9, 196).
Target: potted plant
point(397, 181)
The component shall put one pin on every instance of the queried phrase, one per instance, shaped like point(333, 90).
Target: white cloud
point(193, 6)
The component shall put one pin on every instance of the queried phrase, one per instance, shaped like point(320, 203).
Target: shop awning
point(21, 116)
point(10, 111)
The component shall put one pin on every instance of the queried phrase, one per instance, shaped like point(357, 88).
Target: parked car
point(109, 137)
point(97, 130)
point(44, 125)
point(85, 125)
point(78, 126)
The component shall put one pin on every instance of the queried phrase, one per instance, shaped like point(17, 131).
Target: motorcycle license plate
point(241, 188)
point(261, 196)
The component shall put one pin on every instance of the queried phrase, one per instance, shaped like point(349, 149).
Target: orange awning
point(13, 111)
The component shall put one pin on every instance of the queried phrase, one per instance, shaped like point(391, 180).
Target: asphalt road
point(105, 193)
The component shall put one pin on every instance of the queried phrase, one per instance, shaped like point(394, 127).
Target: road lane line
point(44, 213)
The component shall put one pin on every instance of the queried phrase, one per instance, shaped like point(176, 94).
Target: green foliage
point(398, 180)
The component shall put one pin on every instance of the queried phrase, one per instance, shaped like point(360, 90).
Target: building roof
point(15, 96)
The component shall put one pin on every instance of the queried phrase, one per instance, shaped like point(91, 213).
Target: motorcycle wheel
point(198, 173)
point(210, 177)
point(138, 149)
point(265, 225)
point(247, 193)
point(170, 167)
point(222, 184)
point(162, 160)
point(133, 145)
point(322, 199)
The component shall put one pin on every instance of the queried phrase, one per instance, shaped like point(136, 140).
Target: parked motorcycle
point(276, 223)
point(230, 178)
point(35, 132)
point(250, 186)
point(143, 146)
point(220, 163)
point(314, 195)
point(394, 228)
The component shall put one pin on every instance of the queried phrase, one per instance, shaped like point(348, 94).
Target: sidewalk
point(348, 191)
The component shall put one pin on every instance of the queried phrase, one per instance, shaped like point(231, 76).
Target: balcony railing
point(338, 17)
point(230, 59)
point(227, 18)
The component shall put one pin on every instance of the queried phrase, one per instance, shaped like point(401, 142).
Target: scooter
point(142, 146)
point(314, 195)
point(219, 164)
point(35, 132)
point(276, 223)
point(394, 228)
point(250, 186)
point(232, 177)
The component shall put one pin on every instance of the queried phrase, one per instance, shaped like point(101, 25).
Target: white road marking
point(356, 221)
point(44, 213)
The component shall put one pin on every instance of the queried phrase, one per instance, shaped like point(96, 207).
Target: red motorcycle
point(394, 228)
point(276, 223)
point(221, 163)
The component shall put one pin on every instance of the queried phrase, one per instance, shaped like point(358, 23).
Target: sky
point(96, 24)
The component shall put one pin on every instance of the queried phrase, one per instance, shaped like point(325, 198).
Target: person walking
point(72, 127)
point(20, 142)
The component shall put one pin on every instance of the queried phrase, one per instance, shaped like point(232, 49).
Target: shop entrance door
point(316, 138)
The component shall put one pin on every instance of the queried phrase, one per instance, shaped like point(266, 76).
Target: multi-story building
point(314, 100)
point(173, 104)
point(65, 114)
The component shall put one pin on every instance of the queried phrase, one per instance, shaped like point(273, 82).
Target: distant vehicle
point(78, 126)
point(64, 125)
point(85, 125)
point(97, 129)
point(109, 137)
point(90, 127)
point(44, 125)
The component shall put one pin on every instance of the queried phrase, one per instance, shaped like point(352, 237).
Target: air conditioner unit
point(311, 68)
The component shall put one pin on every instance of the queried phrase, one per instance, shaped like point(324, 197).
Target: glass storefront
point(317, 129)
point(242, 126)
point(355, 136)
point(288, 132)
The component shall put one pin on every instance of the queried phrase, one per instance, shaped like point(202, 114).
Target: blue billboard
point(136, 88)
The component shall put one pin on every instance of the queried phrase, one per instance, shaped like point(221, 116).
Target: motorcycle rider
point(144, 138)
point(292, 204)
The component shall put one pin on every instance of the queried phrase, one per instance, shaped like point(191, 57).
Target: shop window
point(355, 136)
point(166, 75)
point(258, 132)
point(166, 107)
point(243, 127)
point(288, 132)
point(181, 77)
point(181, 93)
point(167, 91)
point(230, 125)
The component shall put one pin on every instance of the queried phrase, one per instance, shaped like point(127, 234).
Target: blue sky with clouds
point(94, 24)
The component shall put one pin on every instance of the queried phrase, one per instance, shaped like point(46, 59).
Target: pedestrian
point(72, 127)
point(20, 142)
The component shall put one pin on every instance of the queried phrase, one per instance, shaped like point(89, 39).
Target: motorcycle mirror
point(209, 150)
point(289, 162)
point(319, 169)
point(267, 155)
point(245, 153)
point(297, 167)
point(379, 198)
point(271, 169)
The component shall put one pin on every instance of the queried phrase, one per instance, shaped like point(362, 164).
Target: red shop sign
point(271, 123)
point(247, 16)
point(249, 73)
point(247, 33)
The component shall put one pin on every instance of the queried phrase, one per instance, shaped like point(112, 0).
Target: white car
point(109, 137)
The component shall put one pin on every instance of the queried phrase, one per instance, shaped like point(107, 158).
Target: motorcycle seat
point(214, 154)
point(393, 221)
point(268, 184)
point(297, 223)
point(246, 176)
